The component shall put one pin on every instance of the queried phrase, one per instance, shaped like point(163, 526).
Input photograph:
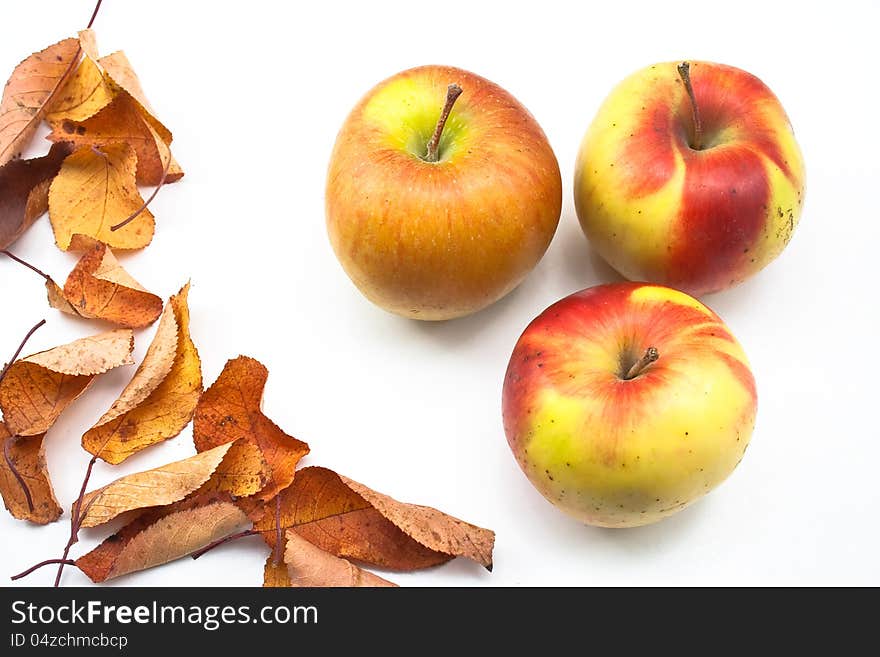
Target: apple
point(442, 193)
point(690, 176)
point(624, 403)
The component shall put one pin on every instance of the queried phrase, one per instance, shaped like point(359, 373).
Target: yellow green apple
point(690, 176)
point(442, 193)
point(625, 403)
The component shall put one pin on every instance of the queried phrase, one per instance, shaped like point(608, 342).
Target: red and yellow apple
point(690, 176)
point(625, 403)
point(435, 233)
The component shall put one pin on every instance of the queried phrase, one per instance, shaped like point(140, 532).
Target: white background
point(255, 93)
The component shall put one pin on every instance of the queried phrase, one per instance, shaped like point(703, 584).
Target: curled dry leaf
point(35, 502)
point(161, 535)
point(39, 387)
point(123, 121)
point(230, 410)
point(243, 471)
point(24, 191)
point(121, 73)
point(99, 288)
point(310, 566)
point(86, 91)
point(160, 399)
point(157, 487)
point(95, 190)
point(350, 520)
point(32, 84)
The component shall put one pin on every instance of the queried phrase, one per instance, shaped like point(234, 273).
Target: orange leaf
point(27, 455)
point(160, 399)
point(350, 520)
point(38, 388)
point(120, 72)
point(122, 121)
point(275, 574)
point(308, 565)
point(157, 487)
point(98, 287)
point(32, 84)
point(95, 190)
point(86, 91)
point(243, 471)
point(24, 191)
point(230, 409)
point(162, 535)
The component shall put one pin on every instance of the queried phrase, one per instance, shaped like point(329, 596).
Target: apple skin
point(621, 453)
point(440, 240)
point(697, 220)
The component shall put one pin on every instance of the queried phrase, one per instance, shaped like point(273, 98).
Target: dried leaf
point(28, 456)
point(86, 91)
point(160, 399)
point(230, 409)
point(308, 565)
point(123, 121)
point(95, 190)
point(157, 487)
point(350, 520)
point(99, 288)
point(162, 535)
point(31, 85)
point(120, 72)
point(38, 388)
point(275, 575)
point(243, 471)
point(24, 191)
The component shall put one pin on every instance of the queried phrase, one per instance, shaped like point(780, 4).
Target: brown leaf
point(309, 565)
point(38, 388)
point(122, 121)
point(24, 191)
point(350, 520)
point(121, 73)
point(157, 487)
point(99, 288)
point(28, 456)
point(31, 85)
point(275, 575)
point(162, 535)
point(160, 399)
point(230, 409)
point(86, 91)
point(95, 190)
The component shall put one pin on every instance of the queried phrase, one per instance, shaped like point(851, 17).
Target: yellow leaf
point(161, 398)
point(95, 190)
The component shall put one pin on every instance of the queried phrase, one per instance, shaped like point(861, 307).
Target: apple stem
point(453, 91)
point(651, 355)
point(684, 71)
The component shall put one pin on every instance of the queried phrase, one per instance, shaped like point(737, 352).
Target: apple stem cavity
point(453, 91)
point(651, 355)
point(684, 71)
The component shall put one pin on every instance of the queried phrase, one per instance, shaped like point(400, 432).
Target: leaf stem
point(94, 14)
point(220, 541)
point(16, 473)
point(276, 553)
point(47, 562)
point(453, 91)
point(20, 347)
point(12, 256)
point(134, 214)
point(75, 522)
